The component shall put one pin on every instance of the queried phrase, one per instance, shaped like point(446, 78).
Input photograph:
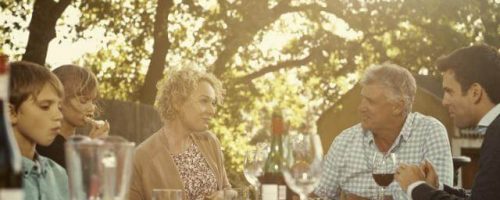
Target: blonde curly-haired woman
point(183, 154)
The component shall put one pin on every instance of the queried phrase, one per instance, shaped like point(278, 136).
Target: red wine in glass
point(383, 180)
point(384, 165)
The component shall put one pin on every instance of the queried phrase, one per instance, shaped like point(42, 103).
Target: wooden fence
point(133, 121)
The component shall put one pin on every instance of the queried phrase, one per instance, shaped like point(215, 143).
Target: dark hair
point(475, 64)
point(27, 78)
point(77, 81)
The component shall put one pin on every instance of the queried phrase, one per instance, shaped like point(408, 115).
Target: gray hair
point(397, 79)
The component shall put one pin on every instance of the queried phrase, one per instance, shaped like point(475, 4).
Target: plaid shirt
point(348, 164)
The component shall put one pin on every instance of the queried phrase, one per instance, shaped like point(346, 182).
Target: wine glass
point(302, 164)
point(168, 194)
point(384, 166)
point(254, 164)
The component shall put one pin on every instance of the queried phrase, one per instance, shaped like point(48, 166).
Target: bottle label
point(11, 194)
point(269, 192)
point(278, 126)
point(4, 77)
point(4, 87)
point(273, 192)
point(282, 192)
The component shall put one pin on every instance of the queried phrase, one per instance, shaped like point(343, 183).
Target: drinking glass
point(254, 164)
point(236, 193)
point(98, 168)
point(168, 194)
point(302, 164)
point(384, 166)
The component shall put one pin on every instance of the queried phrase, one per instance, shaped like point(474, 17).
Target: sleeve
point(135, 191)
point(487, 182)
point(412, 186)
point(457, 192)
point(329, 184)
point(438, 151)
point(220, 155)
point(426, 192)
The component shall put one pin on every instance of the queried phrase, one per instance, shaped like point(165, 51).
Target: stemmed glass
point(254, 164)
point(302, 164)
point(384, 166)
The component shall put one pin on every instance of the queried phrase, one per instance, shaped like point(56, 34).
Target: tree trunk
point(160, 49)
point(42, 28)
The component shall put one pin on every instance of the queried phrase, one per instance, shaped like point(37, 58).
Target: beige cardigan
point(153, 167)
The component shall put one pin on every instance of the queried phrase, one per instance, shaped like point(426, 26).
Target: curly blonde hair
point(178, 86)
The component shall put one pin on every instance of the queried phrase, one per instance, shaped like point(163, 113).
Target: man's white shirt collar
point(490, 116)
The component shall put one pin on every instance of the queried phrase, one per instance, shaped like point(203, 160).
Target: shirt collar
point(490, 116)
point(35, 166)
point(404, 134)
point(407, 127)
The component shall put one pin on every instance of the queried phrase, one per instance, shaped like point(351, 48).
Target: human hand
point(431, 176)
point(408, 174)
point(99, 128)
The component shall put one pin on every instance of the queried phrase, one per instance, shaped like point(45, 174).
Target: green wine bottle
point(273, 186)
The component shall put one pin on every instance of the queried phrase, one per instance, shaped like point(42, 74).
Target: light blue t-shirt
point(44, 179)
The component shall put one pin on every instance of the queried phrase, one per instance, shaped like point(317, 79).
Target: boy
point(34, 108)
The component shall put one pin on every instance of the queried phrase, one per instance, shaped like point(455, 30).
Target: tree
point(42, 28)
point(160, 48)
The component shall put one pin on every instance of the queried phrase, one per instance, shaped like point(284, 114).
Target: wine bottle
point(273, 185)
point(10, 158)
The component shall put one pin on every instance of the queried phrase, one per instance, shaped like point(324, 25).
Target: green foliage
point(118, 73)
point(18, 14)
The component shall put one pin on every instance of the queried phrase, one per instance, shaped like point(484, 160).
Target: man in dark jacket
point(471, 83)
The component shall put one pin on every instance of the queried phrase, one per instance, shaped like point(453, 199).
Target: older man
point(387, 126)
point(471, 82)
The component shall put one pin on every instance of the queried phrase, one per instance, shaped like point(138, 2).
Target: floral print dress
point(198, 179)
